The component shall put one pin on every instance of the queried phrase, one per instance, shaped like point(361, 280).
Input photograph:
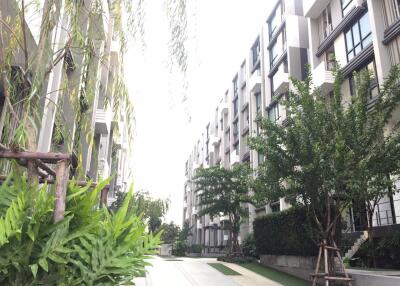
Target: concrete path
point(196, 272)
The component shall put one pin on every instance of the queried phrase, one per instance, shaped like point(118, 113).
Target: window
point(258, 102)
point(243, 73)
point(396, 7)
point(277, 49)
point(260, 158)
point(325, 22)
point(273, 113)
point(330, 59)
point(358, 37)
point(276, 18)
point(255, 52)
point(374, 89)
point(245, 118)
point(235, 130)
point(346, 6)
point(235, 86)
point(235, 107)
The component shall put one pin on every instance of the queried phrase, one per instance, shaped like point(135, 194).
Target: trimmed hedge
point(237, 259)
point(285, 233)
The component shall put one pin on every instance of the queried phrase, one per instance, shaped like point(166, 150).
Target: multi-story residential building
point(95, 133)
point(358, 34)
point(261, 81)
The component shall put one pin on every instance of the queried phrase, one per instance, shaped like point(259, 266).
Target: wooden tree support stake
point(62, 175)
point(327, 276)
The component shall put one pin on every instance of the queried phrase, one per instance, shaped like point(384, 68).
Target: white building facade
point(356, 33)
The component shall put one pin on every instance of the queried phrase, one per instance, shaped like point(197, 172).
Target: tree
point(151, 209)
point(170, 232)
point(225, 192)
point(332, 152)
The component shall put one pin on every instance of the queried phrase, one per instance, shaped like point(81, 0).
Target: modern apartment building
point(359, 34)
point(95, 133)
point(261, 81)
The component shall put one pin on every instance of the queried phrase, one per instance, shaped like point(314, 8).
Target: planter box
point(298, 266)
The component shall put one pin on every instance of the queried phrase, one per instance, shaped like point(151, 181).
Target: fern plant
point(91, 246)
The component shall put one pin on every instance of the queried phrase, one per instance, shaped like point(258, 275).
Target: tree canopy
point(224, 192)
point(333, 150)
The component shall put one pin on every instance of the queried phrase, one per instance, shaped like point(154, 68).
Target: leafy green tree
point(333, 150)
point(225, 192)
point(170, 232)
point(153, 210)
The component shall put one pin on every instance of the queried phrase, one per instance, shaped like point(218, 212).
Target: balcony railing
point(103, 120)
point(280, 81)
point(255, 81)
point(323, 78)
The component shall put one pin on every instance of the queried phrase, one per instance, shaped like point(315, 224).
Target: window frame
point(361, 41)
point(374, 83)
point(275, 109)
point(346, 8)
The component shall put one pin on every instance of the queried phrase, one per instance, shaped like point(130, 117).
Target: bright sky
point(220, 36)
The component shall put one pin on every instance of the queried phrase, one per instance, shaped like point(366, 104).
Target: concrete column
point(377, 23)
point(54, 84)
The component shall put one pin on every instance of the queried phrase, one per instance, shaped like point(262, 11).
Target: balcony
point(255, 81)
point(313, 8)
point(103, 121)
point(323, 78)
point(234, 158)
point(280, 81)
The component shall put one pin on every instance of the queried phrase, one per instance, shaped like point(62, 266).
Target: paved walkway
point(196, 272)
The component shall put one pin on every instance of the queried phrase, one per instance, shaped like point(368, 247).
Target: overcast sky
point(221, 33)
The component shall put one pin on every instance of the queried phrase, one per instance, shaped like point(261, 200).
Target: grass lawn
point(278, 276)
point(222, 268)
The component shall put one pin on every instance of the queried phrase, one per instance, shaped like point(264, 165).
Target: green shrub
point(382, 252)
point(195, 248)
point(89, 247)
point(249, 246)
point(285, 233)
point(180, 248)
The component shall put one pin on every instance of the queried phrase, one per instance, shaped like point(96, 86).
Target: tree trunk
point(370, 229)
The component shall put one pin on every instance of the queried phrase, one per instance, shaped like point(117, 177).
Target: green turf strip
point(222, 268)
point(275, 275)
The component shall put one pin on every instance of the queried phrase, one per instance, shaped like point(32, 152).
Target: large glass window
point(255, 52)
point(358, 37)
point(235, 131)
point(277, 49)
point(325, 23)
point(235, 86)
point(276, 18)
point(374, 89)
point(346, 6)
point(258, 102)
point(235, 106)
point(273, 113)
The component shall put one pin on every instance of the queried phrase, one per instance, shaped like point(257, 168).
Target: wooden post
point(317, 266)
point(326, 262)
point(62, 176)
point(103, 197)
